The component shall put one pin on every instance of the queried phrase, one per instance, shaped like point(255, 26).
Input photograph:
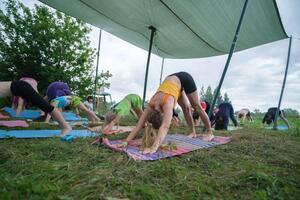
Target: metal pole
point(161, 70)
point(96, 77)
point(148, 62)
point(228, 58)
point(283, 84)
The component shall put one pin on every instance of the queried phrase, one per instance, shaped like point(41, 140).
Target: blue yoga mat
point(282, 127)
point(43, 133)
point(279, 127)
point(32, 114)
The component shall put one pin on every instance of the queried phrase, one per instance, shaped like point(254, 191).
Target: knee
point(186, 108)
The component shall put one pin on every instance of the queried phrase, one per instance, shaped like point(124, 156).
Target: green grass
point(257, 164)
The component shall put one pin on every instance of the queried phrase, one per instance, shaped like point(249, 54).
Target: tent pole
point(228, 58)
point(96, 78)
point(283, 84)
point(148, 62)
point(161, 69)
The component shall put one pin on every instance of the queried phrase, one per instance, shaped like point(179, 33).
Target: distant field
point(257, 164)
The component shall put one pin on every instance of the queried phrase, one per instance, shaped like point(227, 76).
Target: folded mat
point(32, 114)
point(114, 131)
point(3, 116)
point(43, 133)
point(14, 123)
point(183, 144)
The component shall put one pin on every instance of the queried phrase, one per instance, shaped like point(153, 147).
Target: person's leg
point(138, 112)
point(65, 127)
point(194, 100)
point(89, 113)
point(186, 109)
point(282, 116)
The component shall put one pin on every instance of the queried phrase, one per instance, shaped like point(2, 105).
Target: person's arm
point(163, 129)
point(20, 107)
point(77, 112)
point(140, 124)
point(231, 115)
point(264, 119)
point(110, 126)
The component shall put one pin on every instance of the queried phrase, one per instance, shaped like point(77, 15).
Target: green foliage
point(291, 112)
point(208, 95)
point(46, 45)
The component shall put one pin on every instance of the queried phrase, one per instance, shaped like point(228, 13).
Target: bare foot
point(149, 151)
point(65, 131)
point(207, 137)
point(192, 135)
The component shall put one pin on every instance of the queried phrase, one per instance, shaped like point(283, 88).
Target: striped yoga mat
point(183, 143)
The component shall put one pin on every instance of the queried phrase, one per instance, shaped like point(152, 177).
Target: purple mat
point(14, 123)
point(3, 116)
point(183, 143)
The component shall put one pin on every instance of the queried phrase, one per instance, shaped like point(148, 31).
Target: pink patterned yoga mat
point(14, 123)
point(183, 143)
point(3, 116)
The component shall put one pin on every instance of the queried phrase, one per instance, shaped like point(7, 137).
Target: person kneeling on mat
point(176, 87)
point(24, 90)
point(270, 116)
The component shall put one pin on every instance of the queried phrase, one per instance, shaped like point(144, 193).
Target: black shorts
point(187, 82)
point(24, 90)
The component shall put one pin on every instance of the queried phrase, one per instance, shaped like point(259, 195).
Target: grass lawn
point(257, 164)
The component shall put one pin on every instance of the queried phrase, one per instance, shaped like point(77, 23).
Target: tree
point(291, 112)
point(226, 98)
point(202, 93)
point(46, 45)
point(219, 97)
point(208, 95)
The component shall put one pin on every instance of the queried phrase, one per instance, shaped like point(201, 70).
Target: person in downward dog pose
point(74, 102)
point(18, 103)
point(244, 114)
point(179, 87)
point(221, 116)
point(270, 116)
point(24, 90)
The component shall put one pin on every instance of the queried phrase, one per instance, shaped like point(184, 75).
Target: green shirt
point(131, 101)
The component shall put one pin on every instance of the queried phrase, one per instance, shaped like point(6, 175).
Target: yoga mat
point(32, 114)
point(230, 128)
point(183, 143)
point(3, 116)
point(279, 127)
point(114, 131)
point(72, 123)
point(14, 123)
point(43, 133)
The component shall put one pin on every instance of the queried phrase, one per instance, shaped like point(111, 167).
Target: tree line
point(47, 45)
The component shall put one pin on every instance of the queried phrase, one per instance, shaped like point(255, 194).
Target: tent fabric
point(185, 28)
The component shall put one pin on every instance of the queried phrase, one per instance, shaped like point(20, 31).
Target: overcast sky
point(253, 80)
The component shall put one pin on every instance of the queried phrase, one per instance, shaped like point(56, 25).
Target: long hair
point(153, 123)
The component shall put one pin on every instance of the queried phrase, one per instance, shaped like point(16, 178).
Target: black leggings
point(24, 90)
point(187, 82)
